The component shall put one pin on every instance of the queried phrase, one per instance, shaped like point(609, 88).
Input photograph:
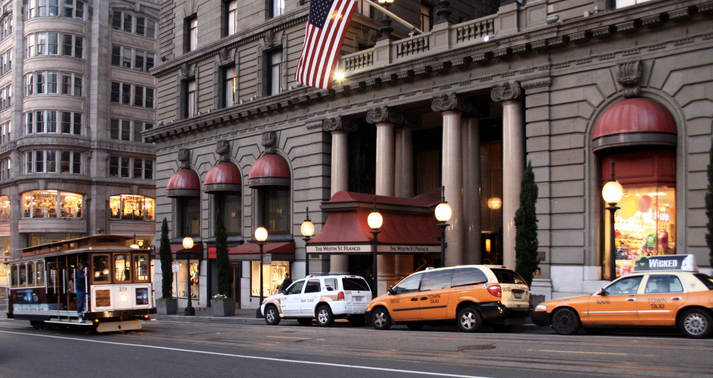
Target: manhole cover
point(476, 347)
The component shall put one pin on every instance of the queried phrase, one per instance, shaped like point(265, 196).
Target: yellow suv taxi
point(660, 291)
point(470, 294)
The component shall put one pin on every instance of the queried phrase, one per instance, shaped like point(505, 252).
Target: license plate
point(518, 296)
point(359, 299)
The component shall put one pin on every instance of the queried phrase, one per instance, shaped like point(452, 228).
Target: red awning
point(634, 121)
point(178, 248)
point(247, 248)
point(270, 169)
point(184, 183)
point(223, 177)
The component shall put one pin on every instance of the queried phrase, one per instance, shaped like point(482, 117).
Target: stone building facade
point(76, 96)
point(570, 86)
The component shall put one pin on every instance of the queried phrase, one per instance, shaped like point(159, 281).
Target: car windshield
point(706, 279)
point(356, 284)
point(507, 276)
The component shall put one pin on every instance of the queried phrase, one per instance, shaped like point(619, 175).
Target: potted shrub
point(167, 304)
point(221, 303)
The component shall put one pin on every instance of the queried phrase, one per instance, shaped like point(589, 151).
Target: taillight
point(340, 296)
point(495, 291)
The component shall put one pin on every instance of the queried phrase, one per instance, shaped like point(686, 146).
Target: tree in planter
point(166, 262)
point(709, 206)
point(526, 243)
point(221, 254)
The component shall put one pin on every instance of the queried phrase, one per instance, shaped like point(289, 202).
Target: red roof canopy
point(223, 177)
point(270, 169)
point(634, 121)
point(184, 183)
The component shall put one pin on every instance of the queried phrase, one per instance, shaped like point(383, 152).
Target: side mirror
point(602, 292)
point(391, 290)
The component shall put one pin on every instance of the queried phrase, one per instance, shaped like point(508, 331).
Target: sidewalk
point(203, 314)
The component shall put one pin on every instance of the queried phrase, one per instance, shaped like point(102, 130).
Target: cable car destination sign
point(369, 248)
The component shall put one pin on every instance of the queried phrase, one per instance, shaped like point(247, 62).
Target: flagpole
point(395, 17)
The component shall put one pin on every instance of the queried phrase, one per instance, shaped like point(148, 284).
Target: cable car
point(118, 285)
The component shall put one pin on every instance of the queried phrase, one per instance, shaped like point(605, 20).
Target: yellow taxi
point(660, 291)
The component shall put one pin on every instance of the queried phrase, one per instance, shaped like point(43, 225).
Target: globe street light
point(612, 193)
point(260, 236)
point(307, 230)
point(443, 215)
point(375, 221)
point(188, 245)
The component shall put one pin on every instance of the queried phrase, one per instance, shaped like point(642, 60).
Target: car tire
point(414, 326)
point(356, 320)
point(325, 318)
point(696, 323)
point(380, 319)
point(565, 321)
point(272, 316)
point(502, 327)
point(469, 319)
point(304, 321)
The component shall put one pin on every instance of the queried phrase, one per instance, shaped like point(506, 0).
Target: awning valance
point(223, 177)
point(270, 169)
point(184, 183)
point(281, 251)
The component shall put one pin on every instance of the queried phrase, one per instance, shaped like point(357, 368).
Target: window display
point(131, 207)
point(181, 279)
point(273, 275)
point(645, 225)
point(4, 208)
point(43, 204)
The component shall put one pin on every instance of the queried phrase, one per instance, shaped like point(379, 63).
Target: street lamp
point(612, 193)
point(375, 220)
point(188, 245)
point(260, 236)
point(385, 28)
point(443, 215)
point(307, 230)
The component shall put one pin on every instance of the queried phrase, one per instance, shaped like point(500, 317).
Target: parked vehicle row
point(661, 291)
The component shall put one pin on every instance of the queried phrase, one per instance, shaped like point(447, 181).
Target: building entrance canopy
point(410, 225)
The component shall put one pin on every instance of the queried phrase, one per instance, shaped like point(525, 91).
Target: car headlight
point(541, 307)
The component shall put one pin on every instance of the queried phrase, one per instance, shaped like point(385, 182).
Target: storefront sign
point(381, 248)
point(175, 267)
point(267, 259)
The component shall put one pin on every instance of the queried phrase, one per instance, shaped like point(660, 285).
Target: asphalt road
point(177, 348)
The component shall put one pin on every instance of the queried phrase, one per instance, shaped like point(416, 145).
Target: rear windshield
point(356, 284)
point(507, 276)
point(706, 279)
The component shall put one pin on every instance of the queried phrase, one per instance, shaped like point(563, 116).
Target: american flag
point(327, 25)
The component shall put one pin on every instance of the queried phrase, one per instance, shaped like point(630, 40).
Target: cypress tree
point(166, 262)
point(221, 254)
point(709, 206)
point(526, 243)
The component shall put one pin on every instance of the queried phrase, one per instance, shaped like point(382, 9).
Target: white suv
point(322, 297)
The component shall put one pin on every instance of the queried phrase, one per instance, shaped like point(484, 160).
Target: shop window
point(5, 245)
point(100, 268)
point(131, 207)
point(43, 204)
point(4, 208)
point(273, 275)
point(183, 279)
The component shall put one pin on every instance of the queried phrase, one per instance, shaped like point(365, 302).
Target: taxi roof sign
point(666, 262)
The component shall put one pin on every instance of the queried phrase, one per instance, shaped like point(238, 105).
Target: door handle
point(630, 299)
point(424, 298)
point(675, 298)
point(414, 299)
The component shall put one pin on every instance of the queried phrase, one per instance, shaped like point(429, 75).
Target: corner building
point(570, 86)
point(75, 96)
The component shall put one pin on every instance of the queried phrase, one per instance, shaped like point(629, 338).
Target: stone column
point(340, 128)
point(513, 161)
point(404, 187)
point(452, 107)
point(471, 191)
point(385, 119)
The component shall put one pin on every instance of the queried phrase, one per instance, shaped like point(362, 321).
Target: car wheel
point(380, 318)
point(356, 320)
point(272, 317)
point(565, 321)
point(469, 320)
point(325, 318)
point(304, 321)
point(414, 326)
point(696, 323)
point(502, 327)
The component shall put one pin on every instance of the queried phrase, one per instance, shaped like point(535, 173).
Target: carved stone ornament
point(384, 114)
point(269, 141)
point(628, 76)
point(451, 102)
point(506, 92)
point(269, 39)
point(188, 71)
point(339, 124)
point(184, 156)
point(222, 148)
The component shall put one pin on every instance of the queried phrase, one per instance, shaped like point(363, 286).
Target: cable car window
point(141, 264)
point(40, 273)
point(13, 276)
point(52, 277)
point(122, 266)
point(23, 275)
point(100, 264)
point(30, 274)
